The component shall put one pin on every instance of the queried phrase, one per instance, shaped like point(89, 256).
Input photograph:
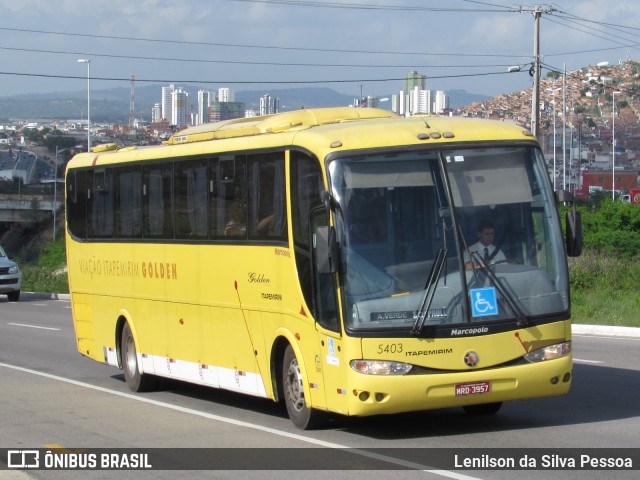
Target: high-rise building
point(226, 111)
point(225, 95)
point(166, 101)
point(422, 102)
point(441, 102)
point(413, 80)
point(179, 107)
point(269, 105)
point(415, 99)
point(156, 113)
point(204, 102)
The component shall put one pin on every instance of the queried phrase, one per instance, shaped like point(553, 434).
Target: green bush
point(43, 279)
point(54, 255)
point(612, 228)
point(604, 280)
point(48, 274)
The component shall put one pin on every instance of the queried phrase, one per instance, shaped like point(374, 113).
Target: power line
point(251, 46)
point(362, 6)
point(248, 82)
point(239, 62)
point(604, 24)
point(564, 54)
point(593, 34)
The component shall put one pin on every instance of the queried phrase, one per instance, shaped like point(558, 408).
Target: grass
point(604, 290)
point(48, 273)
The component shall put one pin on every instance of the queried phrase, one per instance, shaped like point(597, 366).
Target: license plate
point(478, 388)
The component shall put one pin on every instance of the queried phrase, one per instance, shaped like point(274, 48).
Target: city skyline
point(350, 46)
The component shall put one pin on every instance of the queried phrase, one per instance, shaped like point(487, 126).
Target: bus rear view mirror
point(573, 223)
point(574, 233)
point(326, 250)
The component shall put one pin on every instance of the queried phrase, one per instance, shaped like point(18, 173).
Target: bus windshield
point(431, 240)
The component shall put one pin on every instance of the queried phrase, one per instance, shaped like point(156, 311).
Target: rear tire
point(136, 380)
point(483, 409)
point(302, 416)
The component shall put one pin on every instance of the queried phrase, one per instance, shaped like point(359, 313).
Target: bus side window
point(157, 201)
point(191, 192)
point(77, 202)
point(229, 198)
point(128, 203)
point(267, 203)
point(100, 204)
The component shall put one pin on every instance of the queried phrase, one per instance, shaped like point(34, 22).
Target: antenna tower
point(132, 110)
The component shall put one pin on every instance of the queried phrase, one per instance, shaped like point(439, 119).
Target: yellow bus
point(324, 257)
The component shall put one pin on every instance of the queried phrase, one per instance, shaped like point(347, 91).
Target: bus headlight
point(551, 352)
point(380, 367)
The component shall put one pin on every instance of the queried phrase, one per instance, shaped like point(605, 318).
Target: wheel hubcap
point(295, 392)
point(131, 362)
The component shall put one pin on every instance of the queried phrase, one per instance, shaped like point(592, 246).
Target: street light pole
point(55, 193)
point(613, 142)
point(88, 62)
point(564, 131)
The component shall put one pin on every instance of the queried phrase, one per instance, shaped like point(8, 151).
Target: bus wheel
point(302, 416)
point(136, 380)
point(483, 409)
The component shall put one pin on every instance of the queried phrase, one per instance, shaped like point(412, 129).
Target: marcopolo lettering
point(469, 331)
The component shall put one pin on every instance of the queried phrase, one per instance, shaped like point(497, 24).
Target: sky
point(352, 46)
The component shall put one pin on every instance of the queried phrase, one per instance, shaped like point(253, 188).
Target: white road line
point(33, 326)
point(592, 362)
point(240, 423)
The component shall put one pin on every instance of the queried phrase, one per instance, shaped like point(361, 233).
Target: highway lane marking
point(33, 326)
point(240, 423)
point(592, 362)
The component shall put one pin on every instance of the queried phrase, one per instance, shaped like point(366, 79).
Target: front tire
point(302, 416)
point(13, 296)
point(136, 380)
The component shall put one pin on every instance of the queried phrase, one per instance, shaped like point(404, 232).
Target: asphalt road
point(52, 396)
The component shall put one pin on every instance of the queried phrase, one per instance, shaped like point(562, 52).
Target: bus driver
point(484, 250)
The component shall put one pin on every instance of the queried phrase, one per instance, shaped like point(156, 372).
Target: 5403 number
point(390, 348)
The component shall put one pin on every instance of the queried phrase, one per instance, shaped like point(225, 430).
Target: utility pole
point(535, 70)
point(535, 97)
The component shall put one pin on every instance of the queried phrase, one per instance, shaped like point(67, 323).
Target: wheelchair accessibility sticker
point(483, 302)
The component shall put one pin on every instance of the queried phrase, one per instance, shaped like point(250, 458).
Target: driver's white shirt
point(478, 248)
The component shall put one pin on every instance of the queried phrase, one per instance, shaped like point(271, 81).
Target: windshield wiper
point(515, 308)
point(429, 291)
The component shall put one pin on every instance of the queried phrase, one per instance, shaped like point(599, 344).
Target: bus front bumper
point(377, 394)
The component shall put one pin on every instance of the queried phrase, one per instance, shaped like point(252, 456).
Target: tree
point(61, 141)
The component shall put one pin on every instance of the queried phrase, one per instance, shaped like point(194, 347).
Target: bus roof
point(276, 123)
point(322, 130)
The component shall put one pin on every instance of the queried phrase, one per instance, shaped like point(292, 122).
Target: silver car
point(10, 277)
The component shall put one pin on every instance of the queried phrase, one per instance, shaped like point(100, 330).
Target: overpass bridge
point(28, 208)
